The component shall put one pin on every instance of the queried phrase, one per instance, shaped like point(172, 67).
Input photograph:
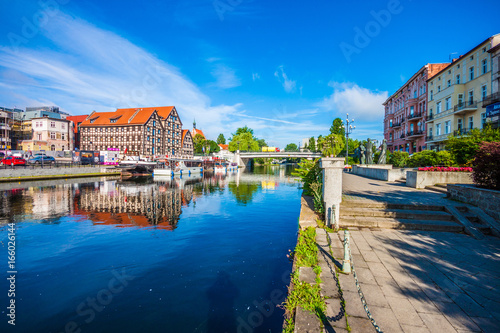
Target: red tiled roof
point(224, 147)
point(136, 116)
point(76, 120)
point(197, 131)
point(184, 132)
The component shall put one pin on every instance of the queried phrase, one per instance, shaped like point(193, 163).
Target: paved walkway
point(413, 281)
point(416, 281)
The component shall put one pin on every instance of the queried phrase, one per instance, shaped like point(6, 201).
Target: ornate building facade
point(187, 143)
point(151, 131)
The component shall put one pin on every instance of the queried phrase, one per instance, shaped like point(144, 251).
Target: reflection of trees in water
point(243, 192)
point(221, 296)
point(211, 184)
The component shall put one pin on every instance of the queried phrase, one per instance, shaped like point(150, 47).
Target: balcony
point(415, 116)
point(413, 134)
point(402, 136)
point(493, 98)
point(462, 131)
point(429, 138)
point(396, 125)
point(465, 107)
point(429, 117)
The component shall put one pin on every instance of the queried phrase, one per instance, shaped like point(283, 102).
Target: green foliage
point(198, 142)
point(221, 139)
point(376, 155)
point(214, 147)
point(291, 147)
point(337, 127)
point(486, 166)
point(317, 190)
point(430, 158)
point(464, 148)
point(312, 144)
point(261, 143)
point(332, 145)
point(246, 142)
point(243, 130)
point(399, 159)
point(309, 172)
point(306, 250)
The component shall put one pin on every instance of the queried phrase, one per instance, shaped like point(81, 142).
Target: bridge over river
point(243, 158)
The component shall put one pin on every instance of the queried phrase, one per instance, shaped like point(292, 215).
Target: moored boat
point(178, 167)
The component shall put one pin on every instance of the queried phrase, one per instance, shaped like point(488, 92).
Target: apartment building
point(151, 131)
point(492, 101)
point(187, 144)
point(406, 110)
point(48, 134)
point(6, 123)
point(456, 95)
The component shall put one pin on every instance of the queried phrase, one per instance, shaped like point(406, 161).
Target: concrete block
point(306, 322)
point(306, 274)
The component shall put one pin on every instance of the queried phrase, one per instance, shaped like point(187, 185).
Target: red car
point(13, 160)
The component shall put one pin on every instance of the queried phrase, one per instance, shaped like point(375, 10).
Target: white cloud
point(95, 69)
point(359, 102)
point(288, 85)
point(225, 77)
point(255, 76)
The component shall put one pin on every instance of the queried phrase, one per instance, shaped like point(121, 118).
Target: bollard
point(346, 265)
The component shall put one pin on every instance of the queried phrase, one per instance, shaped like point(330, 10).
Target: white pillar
point(332, 188)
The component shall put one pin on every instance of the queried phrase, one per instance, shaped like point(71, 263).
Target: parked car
point(42, 158)
point(13, 160)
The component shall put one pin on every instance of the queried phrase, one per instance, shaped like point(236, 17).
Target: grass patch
point(300, 293)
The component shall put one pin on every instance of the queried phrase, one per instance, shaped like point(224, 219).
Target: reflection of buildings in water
point(156, 204)
point(50, 201)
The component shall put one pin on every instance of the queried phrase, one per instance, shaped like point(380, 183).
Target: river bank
point(27, 174)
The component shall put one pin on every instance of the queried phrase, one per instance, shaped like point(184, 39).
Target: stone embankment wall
point(379, 171)
point(48, 171)
point(421, 179)
point(487, 200)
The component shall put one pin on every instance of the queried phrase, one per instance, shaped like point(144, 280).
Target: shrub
point(430, 158)
point(464, 148)
point(486, 166)
point(446, 169)
point(398, 159)
point(310, 173)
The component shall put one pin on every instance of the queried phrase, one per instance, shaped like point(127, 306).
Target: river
point(169, 255)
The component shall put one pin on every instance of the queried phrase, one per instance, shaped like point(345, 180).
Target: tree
point(198, 142)
point(463, 148)
point(242, 130)
point(291, 147)
point(332, 145)
point(262, 143)
point(214, 147)
point(221, 139)
point(337, 127)
point(243, 141)
point(312, 144)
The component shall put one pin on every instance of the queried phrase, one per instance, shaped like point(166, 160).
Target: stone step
point(388, 223)
point(436, 188)
point(396, 213)
point(442, 185)
point(386, 205)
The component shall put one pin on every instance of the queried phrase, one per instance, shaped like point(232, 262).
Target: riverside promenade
point(412, 281)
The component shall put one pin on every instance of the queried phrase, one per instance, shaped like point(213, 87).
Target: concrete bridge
point(243, 158)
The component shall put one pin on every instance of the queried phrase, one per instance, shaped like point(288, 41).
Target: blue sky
point(284, 68)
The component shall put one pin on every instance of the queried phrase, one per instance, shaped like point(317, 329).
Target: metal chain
point(361, 295)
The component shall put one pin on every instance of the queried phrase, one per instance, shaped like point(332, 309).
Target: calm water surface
point(182, 255)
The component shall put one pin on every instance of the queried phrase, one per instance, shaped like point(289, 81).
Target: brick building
point(406, 111)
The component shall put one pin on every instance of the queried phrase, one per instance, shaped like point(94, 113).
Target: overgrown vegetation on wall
point(311, 176)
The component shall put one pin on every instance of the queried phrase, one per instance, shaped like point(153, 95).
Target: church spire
point(194, 123)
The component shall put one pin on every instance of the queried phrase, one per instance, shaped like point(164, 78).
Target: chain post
point(346, 265)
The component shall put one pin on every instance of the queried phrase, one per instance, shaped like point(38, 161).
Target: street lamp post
point(348, 130)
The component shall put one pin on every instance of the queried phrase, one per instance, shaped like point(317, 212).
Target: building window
point(447, 127)
point(471, 73)
point(63, 127)
point(432, 96)
point(438, 107)
point(471, 97)
point(148, 138)
point(52, 135)
point(485, 66)
point(39, 136)
point(459, 124)
point(483, 119)
point(484, 92)
point(63, 137)
point(439, 88)
point(158, 140)
point(52, 124)
point(460, 99)
point(438, 129)
point(449, 83)
point(471, 122)
point(458, 79)
point(448, 103)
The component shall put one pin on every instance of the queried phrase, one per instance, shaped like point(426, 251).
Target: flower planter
point(421, 179)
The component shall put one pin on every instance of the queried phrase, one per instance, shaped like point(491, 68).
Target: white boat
point(178, 167)
point(136, 165)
